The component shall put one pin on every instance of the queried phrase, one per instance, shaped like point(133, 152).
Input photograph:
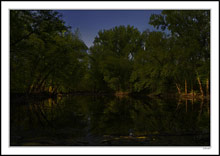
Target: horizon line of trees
point(47, 57)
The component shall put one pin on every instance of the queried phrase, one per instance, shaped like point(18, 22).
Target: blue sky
point(90, 22)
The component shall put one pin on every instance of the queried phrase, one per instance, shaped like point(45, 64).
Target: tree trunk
point(179, 91)
point(185, 87)
point(192, 89)
point(207, 87)
point(200, 86)
point(43, 86)
point(54, 91)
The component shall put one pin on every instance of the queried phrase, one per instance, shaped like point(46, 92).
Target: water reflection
point(88, 120)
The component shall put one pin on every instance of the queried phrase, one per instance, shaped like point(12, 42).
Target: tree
point(44, 54)
point(190, 32)
point(151, 71)
point(113, 53)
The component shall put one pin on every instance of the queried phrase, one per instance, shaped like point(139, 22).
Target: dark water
point(103, 120)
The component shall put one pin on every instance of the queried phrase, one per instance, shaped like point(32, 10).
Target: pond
point(109, 121)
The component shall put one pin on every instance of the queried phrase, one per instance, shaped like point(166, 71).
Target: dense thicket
point(189, 56)
point(45, 56)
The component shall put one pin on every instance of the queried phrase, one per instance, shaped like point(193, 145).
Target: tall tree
point(44, 54)
point(190, 31)
point(114, 52)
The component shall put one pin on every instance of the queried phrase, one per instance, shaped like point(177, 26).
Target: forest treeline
point(46, 56)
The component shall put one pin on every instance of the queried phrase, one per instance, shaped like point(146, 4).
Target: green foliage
point(114, 52)
point(45, 56)
point(150, 67)
point(190, 35)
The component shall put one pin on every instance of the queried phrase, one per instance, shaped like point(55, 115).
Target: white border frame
point(213, 6)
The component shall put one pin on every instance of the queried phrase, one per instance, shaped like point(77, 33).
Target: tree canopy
point(47, 56)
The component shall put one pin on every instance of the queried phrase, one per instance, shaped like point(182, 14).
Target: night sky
point(90, 22)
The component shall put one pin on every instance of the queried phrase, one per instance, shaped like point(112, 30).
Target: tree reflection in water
point(105, 120)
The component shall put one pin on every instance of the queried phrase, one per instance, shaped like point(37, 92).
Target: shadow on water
point(90, 120)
